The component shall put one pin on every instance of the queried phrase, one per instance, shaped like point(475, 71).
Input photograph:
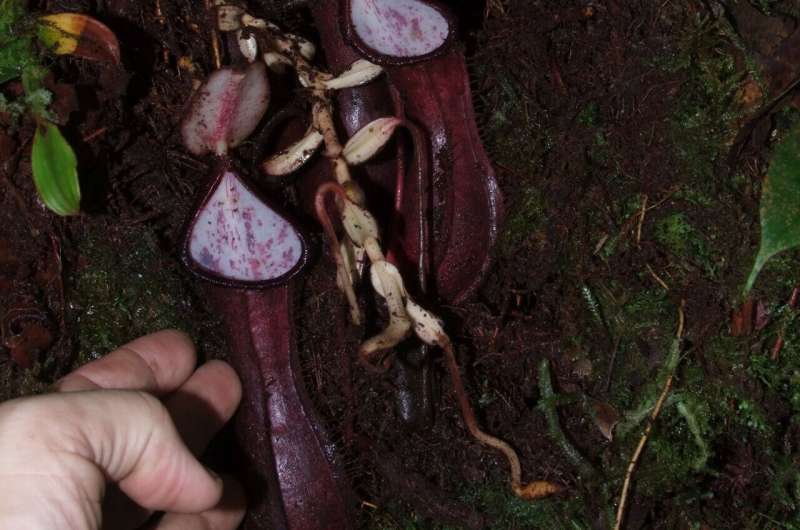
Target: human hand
point(107, 424)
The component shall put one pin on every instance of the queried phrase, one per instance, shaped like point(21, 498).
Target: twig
point(664, 199)
point(641, 221)
point(645, 436)
point(162, 22)
point(611, 362)
point(215, 51)
point(91, 136)
point(657, 278)
point(160, 14)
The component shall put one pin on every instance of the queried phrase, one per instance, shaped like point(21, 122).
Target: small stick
point(669, 194)
point(641, 221)
point(215, 52)
point(653, 416)
point(617, 343)
point(776, 348)
point(159, 13)
point(89, 137)
point(162, 22)
point(657, 278)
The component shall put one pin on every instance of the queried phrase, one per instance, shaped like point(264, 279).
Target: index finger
point(158, 363)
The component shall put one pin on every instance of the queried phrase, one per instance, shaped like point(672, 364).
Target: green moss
point(780, 377)
point(750, 415)
point(506, 511)
point(779, 275)
point(766, 6)
point(125, 288)
point(502, 510)
point(675, 233)
point(21, 58)
point(696, 413)
point(785, 486)
point(513, 137)
point(17, 51)
point(518, 142)
point(648, 309)
point(680, 445)
point(702, 124)
point(589, 116)
point(687, 243)
point(669, 463)
point(695, 197)
point(526, 217)
point(632, 315)
point(630, 312)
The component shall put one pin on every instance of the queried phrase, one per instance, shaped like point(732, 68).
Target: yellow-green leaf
point(780, 203)
point(55, 170)
point(79, 35)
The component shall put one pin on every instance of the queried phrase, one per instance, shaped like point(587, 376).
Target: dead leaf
point(79, 35)
point(605, 417)
point(742, 319)
point(538, 489)
point(27, 340)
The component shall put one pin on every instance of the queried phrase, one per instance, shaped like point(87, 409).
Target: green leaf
point(780, 203)
point(55, 170)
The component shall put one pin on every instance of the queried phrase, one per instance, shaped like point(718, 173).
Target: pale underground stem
point(323, 118)
point(323, 107)
point(533, 490)
point(348, 189)
point(472, 423)
point(341, 269)
point(374, 251)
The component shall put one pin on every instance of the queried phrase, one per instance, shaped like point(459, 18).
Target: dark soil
point(630, 138)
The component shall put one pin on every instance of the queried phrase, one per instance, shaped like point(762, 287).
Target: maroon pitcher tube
point(293, 479)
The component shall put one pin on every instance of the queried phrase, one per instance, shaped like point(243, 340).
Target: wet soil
point(630, 139)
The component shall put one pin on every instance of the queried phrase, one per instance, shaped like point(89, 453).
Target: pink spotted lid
point(235, 238)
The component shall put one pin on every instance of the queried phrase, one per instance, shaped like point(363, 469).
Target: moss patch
point(525, 219)
point(125, 287)
point(503, 511)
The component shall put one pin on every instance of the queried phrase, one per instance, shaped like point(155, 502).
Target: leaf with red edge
point(79, 35)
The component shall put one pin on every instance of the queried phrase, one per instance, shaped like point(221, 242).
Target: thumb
point(127, 435)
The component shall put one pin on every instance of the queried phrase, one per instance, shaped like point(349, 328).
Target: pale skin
point(117, 441)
